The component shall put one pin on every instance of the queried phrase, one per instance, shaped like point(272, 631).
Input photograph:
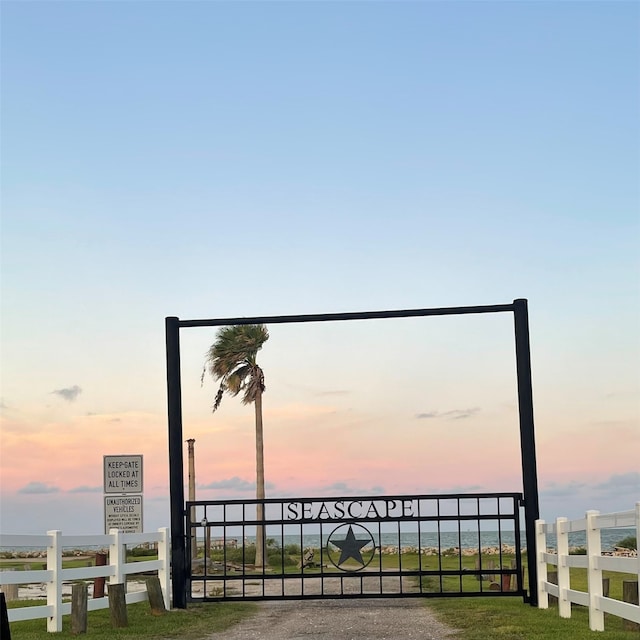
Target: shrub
point(630, 542)
point(137, 552)
point(578, 551)
point(292, 549)
point(275, 559)
point(235, 555)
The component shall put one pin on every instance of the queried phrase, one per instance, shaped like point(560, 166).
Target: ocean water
point(448, 539)
point(467, 539)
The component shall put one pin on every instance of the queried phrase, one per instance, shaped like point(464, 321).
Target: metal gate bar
point(356, 547)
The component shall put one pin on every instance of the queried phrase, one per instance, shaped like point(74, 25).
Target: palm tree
point(231, 359)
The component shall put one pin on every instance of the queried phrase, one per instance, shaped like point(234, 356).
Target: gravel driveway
point(385, 619)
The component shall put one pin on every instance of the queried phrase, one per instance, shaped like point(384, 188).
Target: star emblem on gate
point(351, 547)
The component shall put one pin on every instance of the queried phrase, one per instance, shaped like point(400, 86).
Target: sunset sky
point(226, 159)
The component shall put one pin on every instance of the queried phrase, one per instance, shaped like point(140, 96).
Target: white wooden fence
point(593, 561)
point(54, 575)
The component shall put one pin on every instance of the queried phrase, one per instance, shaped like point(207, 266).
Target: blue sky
point(218, 159)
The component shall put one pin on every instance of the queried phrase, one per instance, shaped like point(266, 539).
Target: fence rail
point(594, 562)
point(54, 576)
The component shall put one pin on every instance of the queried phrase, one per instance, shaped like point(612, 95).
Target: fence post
point(118, 605)
point(562, 537)
point(5, 629)
point(594, 575)
point(164, 574)
point(638, 534)
point(552, 578)
point(116, 557)
point(630, 594)
point(10, 591)
point(155, 596)
point(630, 590)
point(54, 586)
point(98, 583)
point(541, 547)
point(79, 608)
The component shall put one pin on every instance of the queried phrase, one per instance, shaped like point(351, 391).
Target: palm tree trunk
point(260, 537)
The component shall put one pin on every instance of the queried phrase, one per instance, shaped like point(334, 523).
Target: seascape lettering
point(350, 510)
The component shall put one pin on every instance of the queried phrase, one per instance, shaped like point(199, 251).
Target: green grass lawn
point(482, 618)
point(477, 618)
point(194, 623)
point(510, 619)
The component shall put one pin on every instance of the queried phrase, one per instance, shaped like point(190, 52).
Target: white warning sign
point(123, 513)
point(123, 474)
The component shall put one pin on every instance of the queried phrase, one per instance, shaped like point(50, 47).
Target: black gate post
point(176, 481)
point(527, 441)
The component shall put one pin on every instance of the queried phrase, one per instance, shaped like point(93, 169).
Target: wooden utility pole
point(192, 495)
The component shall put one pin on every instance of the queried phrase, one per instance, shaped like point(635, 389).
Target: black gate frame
point(356, 569)
point(519, 308)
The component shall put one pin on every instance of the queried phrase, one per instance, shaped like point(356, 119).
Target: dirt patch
point(354, 585)
point(340, 619)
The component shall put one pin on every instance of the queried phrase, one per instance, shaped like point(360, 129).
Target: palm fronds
point(231, 359)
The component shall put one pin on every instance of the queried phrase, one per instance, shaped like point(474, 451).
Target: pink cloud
point(69, 453)
point(309, 447)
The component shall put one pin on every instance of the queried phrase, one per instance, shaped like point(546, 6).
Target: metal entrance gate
point(356, 547)
point(180, 556)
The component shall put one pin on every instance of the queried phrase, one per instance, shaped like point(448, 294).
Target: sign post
point(123, 477)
